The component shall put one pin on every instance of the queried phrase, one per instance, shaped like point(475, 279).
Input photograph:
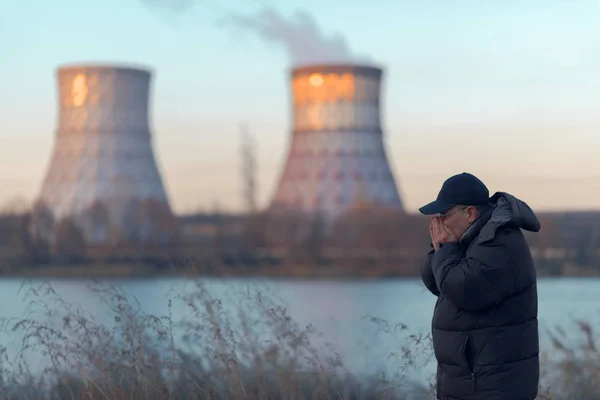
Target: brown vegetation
point(391, 243)
point(34, 238)
point(364, 242)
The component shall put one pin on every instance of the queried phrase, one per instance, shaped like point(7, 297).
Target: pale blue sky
point(508, 91)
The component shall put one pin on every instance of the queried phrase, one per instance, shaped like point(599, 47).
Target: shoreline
point(297, 272)
point(125, 271)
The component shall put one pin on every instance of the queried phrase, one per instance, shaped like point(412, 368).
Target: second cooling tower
point(103, 164)
point(337, 157)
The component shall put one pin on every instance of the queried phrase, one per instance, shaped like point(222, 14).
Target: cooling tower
point(336, 157)
point(103, 152)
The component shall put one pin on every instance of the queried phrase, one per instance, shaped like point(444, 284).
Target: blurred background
point(506, 92)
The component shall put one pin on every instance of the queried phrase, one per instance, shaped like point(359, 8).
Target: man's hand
point(440, 233)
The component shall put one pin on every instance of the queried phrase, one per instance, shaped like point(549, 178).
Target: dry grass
point(574, 370)
point(252, 351)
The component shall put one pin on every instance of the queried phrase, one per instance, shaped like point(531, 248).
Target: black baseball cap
point(463, 188)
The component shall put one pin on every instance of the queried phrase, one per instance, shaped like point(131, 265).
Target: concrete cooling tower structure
point(103, 156)
point(337, 157)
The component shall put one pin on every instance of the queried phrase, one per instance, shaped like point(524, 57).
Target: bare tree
point(42, 223)
point(248, 155)
point(69, 243)
point(96, 223)
point(149, 221)
point(15, 206)
point(313, 243)
point(41, 233)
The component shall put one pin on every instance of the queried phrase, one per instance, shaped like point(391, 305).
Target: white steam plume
point(301, 37)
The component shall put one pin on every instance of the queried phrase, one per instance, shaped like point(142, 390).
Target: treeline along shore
point(365, 242)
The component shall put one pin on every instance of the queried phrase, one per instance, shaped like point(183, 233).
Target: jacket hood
point(513, 212)
point(506, 210)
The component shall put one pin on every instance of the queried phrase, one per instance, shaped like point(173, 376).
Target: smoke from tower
point(300, 35)
point(303, 40)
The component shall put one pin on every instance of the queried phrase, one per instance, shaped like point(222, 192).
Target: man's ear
point(471, 214)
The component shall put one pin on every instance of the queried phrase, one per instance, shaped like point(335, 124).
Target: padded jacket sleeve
point(427, 274)
point(474, 281)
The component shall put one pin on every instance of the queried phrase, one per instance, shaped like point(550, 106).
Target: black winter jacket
point(484, 328)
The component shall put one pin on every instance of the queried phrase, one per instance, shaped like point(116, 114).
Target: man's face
point(459, 218)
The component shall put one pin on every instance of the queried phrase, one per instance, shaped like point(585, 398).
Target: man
point(484, 328)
